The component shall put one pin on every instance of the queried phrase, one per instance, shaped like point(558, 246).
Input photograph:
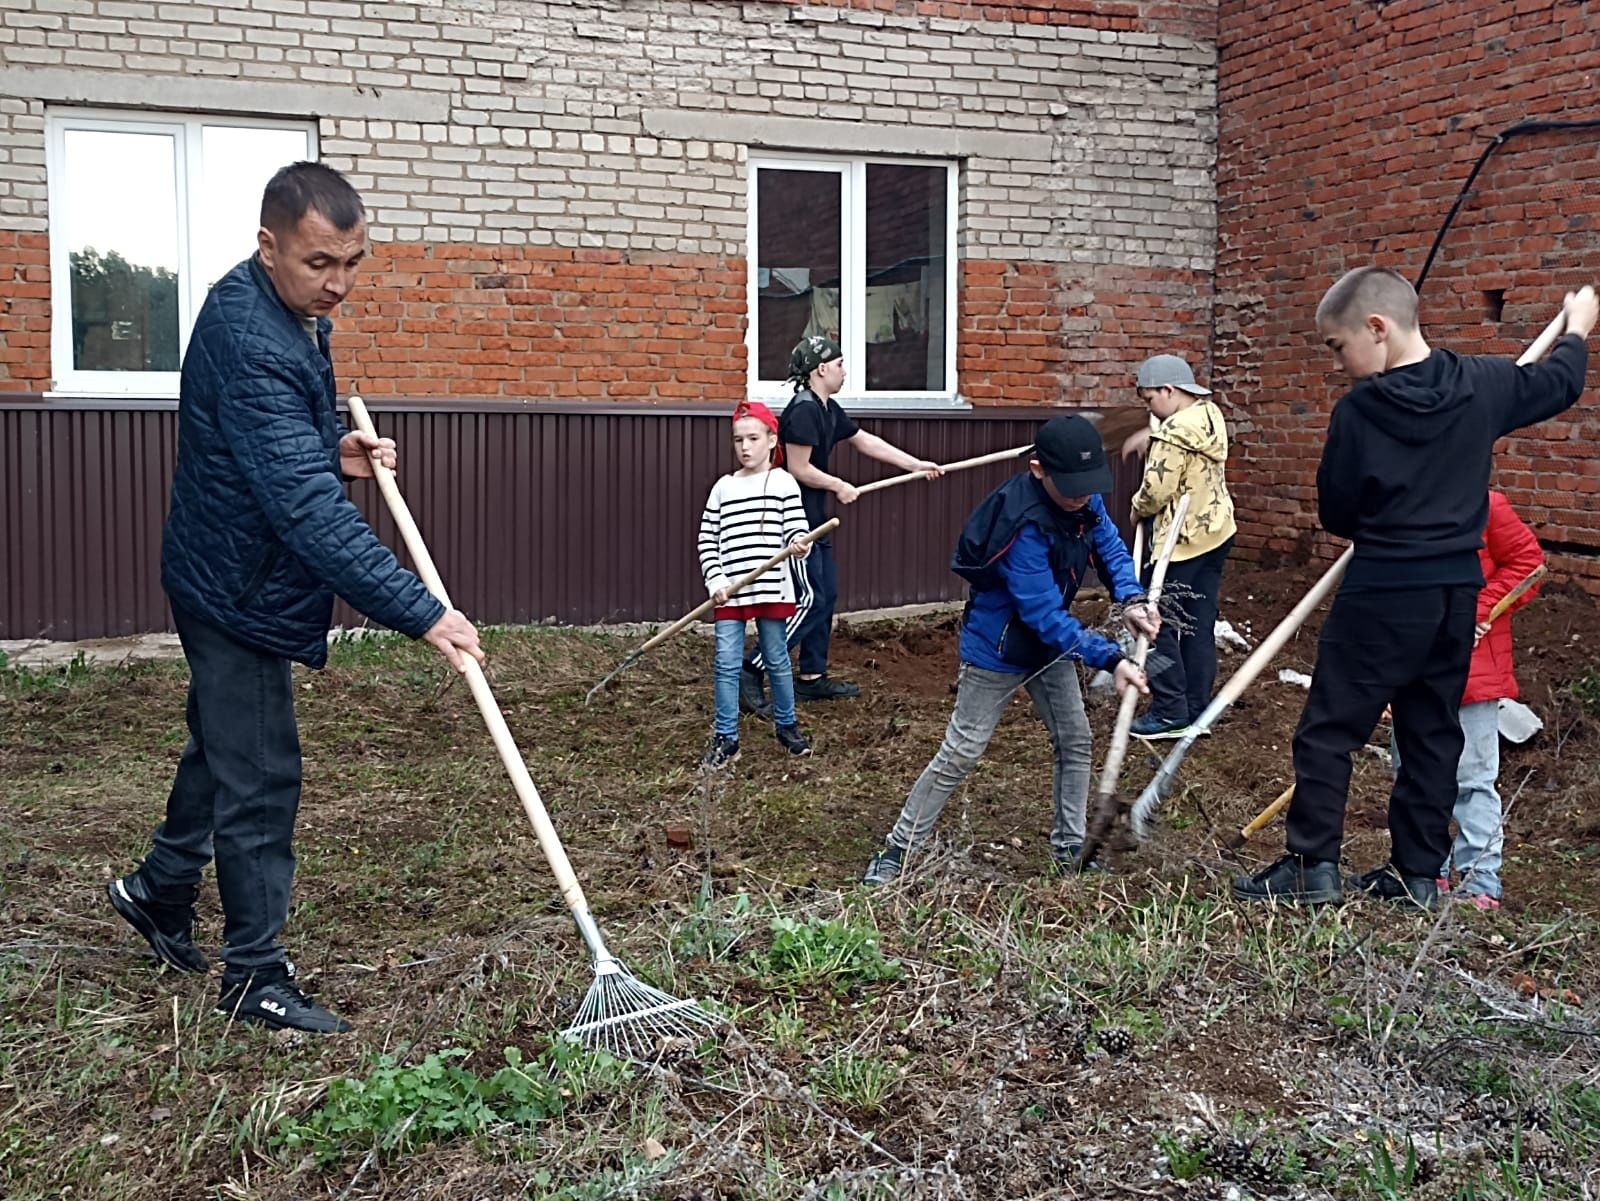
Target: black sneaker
point(884, 867)
point(166, 921)
point(722, 751)
point(792, 740)
point(1387, 884)
point(1068, 864)
point(753, 692)
point(1293, 881)
point(824, 688)
point(270, 996)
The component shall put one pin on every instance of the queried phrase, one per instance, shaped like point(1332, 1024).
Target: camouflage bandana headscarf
point(812, 353)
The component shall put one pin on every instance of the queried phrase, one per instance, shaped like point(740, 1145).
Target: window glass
point(236, 163)
point(799, 255)
point(904, 310)
point(121, 224)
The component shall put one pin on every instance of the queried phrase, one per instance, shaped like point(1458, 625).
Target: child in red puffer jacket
point(1510, 553)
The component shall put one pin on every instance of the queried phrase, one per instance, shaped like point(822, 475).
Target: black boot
point(792, 740)
point(1294, 881)
point(1387, 884)
point(165, 920)
point(824, 688)
point(753, 692)
point(269, 995)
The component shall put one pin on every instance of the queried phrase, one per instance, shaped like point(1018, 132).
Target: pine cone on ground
point(1115, 1040)
point(1229, 1157)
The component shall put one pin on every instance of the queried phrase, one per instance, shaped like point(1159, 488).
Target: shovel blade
point(1518, 723)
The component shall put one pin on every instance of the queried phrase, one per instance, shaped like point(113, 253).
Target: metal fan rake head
point(631, 1019)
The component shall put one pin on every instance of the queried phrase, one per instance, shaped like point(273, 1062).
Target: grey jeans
point(981, 699)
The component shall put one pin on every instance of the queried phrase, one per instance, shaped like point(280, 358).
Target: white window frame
point(188, 160)
point(852, 174)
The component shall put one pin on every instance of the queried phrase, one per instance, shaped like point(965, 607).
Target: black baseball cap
point(1070, 451)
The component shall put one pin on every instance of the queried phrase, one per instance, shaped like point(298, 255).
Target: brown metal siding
point(564, 512)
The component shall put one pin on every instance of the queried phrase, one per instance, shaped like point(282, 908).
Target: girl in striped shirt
point(751, 515)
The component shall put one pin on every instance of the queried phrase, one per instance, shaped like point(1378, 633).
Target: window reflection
point(122, 229)
point(798, 255)
point(906, 277)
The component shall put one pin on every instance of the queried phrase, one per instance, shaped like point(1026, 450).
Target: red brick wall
point(541, 324)
point(24, 312)
point(1346, 130)
point(545, 324)
point(1051, 334)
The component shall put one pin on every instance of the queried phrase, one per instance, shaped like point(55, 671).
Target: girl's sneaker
point(792, 740)
point(722, 751)
point(1481, 899)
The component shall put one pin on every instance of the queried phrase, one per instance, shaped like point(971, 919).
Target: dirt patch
point(987, 1063)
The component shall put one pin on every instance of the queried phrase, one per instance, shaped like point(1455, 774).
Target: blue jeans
point(1480, 827)
point(730, 658)
point(236, 792)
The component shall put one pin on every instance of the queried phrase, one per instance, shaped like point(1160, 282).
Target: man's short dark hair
point(1359, 294)
point(302, 186)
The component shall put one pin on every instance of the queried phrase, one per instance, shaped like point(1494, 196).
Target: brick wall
point(1346, 132)
point(558, 190)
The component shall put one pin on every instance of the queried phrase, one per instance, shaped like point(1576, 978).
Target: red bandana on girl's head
point(754, 408)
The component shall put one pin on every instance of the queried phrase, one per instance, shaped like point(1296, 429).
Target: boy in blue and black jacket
point(1025, 551)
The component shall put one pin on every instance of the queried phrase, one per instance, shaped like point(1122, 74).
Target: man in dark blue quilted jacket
point(259, 540)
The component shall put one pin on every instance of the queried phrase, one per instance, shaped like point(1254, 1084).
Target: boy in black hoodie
point(1405, 476)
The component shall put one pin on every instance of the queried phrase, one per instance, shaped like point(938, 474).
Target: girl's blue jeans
point(730, 657)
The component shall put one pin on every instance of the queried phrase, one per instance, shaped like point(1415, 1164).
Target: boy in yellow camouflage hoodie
point(1188, 452)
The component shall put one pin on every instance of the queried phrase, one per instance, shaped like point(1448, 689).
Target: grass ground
point(979, 1031)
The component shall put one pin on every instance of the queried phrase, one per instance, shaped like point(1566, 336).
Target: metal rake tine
point(633, 657)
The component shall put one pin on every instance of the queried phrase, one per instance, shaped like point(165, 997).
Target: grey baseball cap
point(1168, 371)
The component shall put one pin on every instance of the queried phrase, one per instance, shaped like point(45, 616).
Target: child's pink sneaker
point(1481, 900)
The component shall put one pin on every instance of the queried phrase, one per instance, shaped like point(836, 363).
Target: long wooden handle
point(1274, 642)
point(1141, 648)
point(1546, 339)
point(998, 456)
point(1503, 605)
point(1155, 791)
point(744, 581)
point(1260, 821)
point(510, 756)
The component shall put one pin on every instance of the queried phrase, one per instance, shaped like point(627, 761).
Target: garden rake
point(739, 585)
point(1161, 786)
point(1108, 804)
point(621, 1014)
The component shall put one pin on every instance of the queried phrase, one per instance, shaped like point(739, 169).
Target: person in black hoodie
point(1405, 476)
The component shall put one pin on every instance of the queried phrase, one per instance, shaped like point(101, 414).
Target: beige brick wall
point(558, 188)
point(540, 128)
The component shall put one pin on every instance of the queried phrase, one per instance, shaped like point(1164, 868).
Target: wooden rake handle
point(1503, 605)
point(1105, 809)
point(510, 756)
point(739, 585)
point(998, 456)
point(1118, 749)
point(1261, 820)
